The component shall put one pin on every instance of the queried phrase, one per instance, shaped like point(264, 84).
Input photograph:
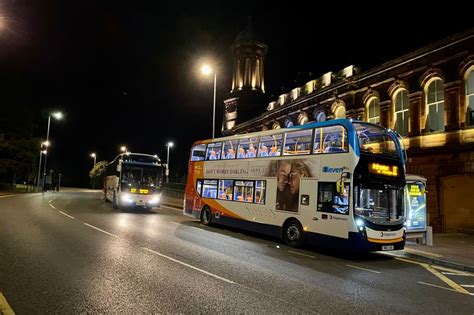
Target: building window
point(303, 118)
point(373, 111)
point(340, 112)
point(402, 114)
point(320, 116)
point(276, 125)
point(470, 97)
point(288, 123)
point(434, 106)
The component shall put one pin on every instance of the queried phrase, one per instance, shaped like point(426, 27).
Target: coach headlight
point(155, 200)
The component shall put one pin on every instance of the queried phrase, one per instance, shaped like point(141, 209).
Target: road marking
point(5, 196)
point(290, 251)
point(461, 274)
point(52, 206)
point(189, 266)
point(411, 250)
point(100, 230)
point(369, 270)
point(50, 200)
point(438, 274)
point(467, 285)
point(5, 308)
point(67, 215)
point(437, 286)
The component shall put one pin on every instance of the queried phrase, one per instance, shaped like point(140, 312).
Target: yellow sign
point(382, 169)
point(143, 191)
point(414, 190)
point(133, 190)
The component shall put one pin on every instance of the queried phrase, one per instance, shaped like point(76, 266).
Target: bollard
point(429, 236)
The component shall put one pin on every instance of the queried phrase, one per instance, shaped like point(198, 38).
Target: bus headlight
point(126, 198)
point(155, 200)
point(360, 223)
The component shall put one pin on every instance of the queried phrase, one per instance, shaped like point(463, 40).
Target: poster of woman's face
point(289, 174)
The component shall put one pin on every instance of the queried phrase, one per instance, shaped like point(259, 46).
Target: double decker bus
point(134, 180)
point(338, 184)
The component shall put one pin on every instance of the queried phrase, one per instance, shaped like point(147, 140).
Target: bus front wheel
point(206, 216)
point(114, 201)
point(293, 234)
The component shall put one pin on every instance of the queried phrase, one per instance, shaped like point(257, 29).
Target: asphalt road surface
point(71, 252)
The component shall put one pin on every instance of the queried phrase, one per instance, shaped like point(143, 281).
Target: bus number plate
point(387, 247)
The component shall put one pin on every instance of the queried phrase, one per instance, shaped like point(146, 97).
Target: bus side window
point(199, 187)
point(198, 152)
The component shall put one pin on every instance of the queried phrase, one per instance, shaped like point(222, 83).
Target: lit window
point(435, 106)
point(298, 142)
point(340, 112)
point(402, 114)
point(470, 97)
point(373, 111)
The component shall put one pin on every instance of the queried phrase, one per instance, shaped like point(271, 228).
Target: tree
point(97, 174)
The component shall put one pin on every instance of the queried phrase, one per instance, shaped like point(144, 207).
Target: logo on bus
point(327, 169)
point(387, 234)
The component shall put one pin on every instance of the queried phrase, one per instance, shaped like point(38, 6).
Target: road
point(72, 253)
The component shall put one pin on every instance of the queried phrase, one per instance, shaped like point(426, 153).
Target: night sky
point(125, 72)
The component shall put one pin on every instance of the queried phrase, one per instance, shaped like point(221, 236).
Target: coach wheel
point(114, 202)
point(206, 216)
point(293, 234)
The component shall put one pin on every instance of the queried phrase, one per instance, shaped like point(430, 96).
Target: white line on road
point(369, 270)
point(67, 215)
point(461, 274)
point(50, 200)
point(437, 286)
point(96, 228)
point(290, 251)
point(188, 265)
point(52, 206)
point(467, 285)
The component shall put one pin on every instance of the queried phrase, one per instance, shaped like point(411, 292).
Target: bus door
point(332, 209)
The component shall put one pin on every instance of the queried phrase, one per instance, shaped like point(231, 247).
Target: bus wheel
point(114, 202)
point(206, 216)
point(293, 234)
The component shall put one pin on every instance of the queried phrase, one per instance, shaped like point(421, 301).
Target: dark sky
point(124, 72)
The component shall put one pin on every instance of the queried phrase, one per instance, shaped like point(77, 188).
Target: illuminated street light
point(168, 146)
point(58, 116)
point(123, 149)
point(207, 70)
point(93, 155)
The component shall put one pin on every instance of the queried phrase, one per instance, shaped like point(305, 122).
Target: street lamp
point(39, 164)
point(58, 116)
point(207, 70)
point(123, 149)
point(93, 156)
point(168, 145)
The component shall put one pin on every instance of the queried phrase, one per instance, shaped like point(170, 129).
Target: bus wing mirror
point(339, 186)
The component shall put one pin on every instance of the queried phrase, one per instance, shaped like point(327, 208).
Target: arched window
point(320, 116)
point(340, 112)
point(289, 123)
point(434, 105)
point(470, 97)
point(303, 118)
point(402, 114)
point(373, 111)
point(276, 125)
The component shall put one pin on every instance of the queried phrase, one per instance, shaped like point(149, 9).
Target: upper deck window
point(270, 146)
point(214, 151)
point(298, 142)
point(376, 140)
point(198, 152)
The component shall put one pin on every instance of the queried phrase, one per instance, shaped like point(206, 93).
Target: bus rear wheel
point(206, 216)
point(293, 234)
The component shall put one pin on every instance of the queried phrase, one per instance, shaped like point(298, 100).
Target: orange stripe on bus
point(383, 241)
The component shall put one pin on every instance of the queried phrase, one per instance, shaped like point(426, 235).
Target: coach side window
point(198, 152)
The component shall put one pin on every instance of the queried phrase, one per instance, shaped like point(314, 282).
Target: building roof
point(248, 34)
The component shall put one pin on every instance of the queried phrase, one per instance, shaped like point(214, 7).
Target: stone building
point(426, 95)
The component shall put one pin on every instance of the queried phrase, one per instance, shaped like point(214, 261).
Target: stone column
point(415, 107)
point(451, 105)
point(385, 108)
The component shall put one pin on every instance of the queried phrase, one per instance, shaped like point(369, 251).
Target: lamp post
point(39, 164)
point(123, 149)
point(206, 70)
point(58, 116)
point(168, 146)
point(93, 155)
